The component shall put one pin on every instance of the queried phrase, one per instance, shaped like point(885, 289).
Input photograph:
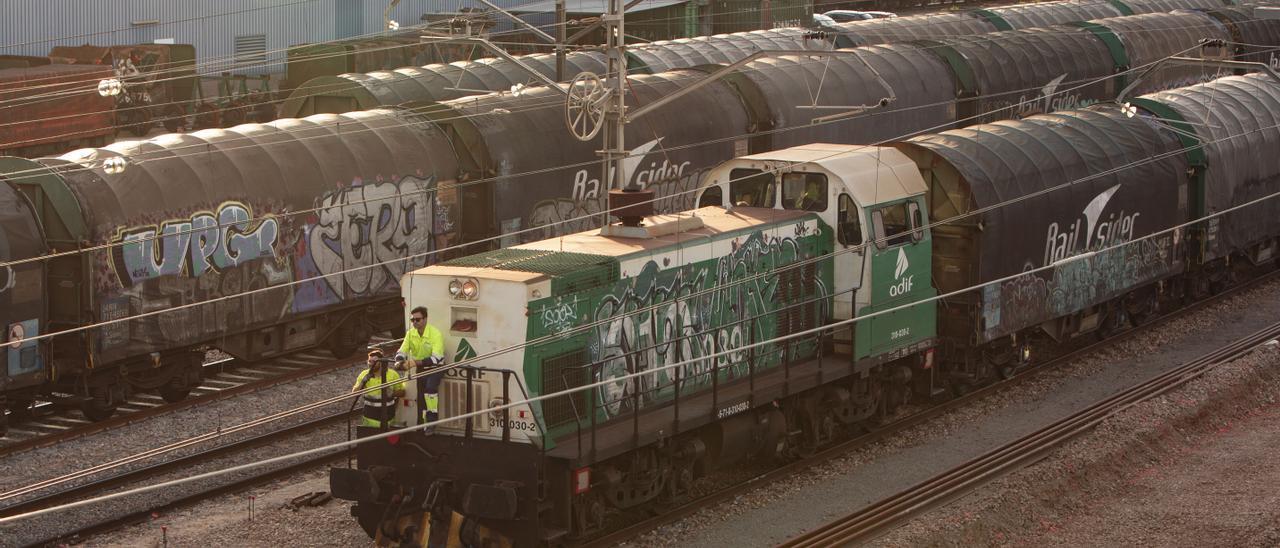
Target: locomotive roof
point(871, 174)
point(716, 221)
point(574, 253)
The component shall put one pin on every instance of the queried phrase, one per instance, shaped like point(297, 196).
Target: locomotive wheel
point(104, 399)
point(1006, 371)
point(207, 116)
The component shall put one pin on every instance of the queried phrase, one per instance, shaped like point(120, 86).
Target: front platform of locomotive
point(479, 463)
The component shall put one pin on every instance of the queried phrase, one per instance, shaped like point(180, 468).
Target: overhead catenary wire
point(990, 35)
point(994, 36)
point(292, 283)
point(448, 39)
point(201, 148)
point(92, 83)
point(596, 384)
point(557, 335)
point(228, 61)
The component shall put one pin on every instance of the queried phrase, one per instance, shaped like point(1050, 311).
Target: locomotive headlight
point(470, 289)
point(455, 287)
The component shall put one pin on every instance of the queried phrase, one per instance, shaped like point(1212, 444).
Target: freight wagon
point(317, 218)
point(691, 339)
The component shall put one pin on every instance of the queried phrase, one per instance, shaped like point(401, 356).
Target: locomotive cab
point(874, 198)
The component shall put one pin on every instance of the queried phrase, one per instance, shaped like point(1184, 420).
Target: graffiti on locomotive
point(653, 319)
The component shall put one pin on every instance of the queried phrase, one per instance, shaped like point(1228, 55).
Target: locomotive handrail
point(595, 402)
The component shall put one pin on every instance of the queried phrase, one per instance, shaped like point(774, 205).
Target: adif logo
point(1046, 101)
point(586, 186)
point(902, 265)
point(1117, 227)
point(903, 285)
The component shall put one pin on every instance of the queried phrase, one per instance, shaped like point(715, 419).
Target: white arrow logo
point(902, 264)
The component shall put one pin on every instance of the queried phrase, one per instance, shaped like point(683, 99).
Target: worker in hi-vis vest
point(422, 350)
point(378, 406)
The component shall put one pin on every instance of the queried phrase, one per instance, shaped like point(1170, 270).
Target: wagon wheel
point(175, 119)
point(207, 116)
point(102, 402)
point(234, 115)
point(136, 119)
point(584, 106)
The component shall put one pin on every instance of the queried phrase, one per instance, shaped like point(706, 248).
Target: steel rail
point(123, 419)
point(111, 524)
point(133, 476)
point(864, 524)
point(147, 472)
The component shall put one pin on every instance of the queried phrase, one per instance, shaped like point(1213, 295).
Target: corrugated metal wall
point(32, 27)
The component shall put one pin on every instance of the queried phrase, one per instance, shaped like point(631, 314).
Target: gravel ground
point(225, 521)
point(777, 512)
point(780, 511)
point(1150, 476)
point(25, 468)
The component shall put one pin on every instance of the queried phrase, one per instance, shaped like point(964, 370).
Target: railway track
point(225, 378)
point(878, 518)
point(681, 511)
point(135, 477)
point(871, 521)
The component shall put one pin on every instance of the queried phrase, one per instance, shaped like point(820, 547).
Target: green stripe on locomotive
point(646, 320)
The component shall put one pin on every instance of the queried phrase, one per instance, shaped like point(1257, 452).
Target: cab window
point(805, 191)
point(850, 230)
point(751, 188)
point(892, 225)
point(711, 197)
point(917, 221)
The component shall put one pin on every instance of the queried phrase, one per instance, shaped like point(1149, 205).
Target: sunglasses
point(416, 319)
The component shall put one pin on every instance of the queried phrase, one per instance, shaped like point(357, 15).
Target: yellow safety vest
point(378, 406)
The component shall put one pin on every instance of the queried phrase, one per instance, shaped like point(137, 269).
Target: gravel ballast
point(789, 507)
point(27, 467)
point(777, 512)
point(1195, 467)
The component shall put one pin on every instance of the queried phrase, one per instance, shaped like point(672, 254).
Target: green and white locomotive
point(708, 322)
